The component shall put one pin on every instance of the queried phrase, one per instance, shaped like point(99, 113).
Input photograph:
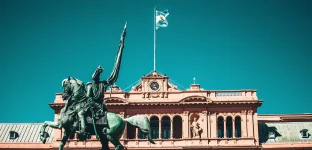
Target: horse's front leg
point(64, 139)
point(43, 138)
point(55, 125)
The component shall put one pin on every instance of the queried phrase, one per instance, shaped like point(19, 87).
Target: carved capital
point(143, 95)
point(121, 113)
point(185, 113)
point(244, 112)
point(204, 112)
point(250, 112)
point(213, 113)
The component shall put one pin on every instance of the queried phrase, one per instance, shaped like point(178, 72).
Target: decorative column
point(250, 123)
point(204, 124)
point(159, 128)
point(136, 133)
point(233, 125)
point(244, 123)
point(213, 124)
point(171, 128)
point(224, 126)
point(185, 124)
point(208, 125)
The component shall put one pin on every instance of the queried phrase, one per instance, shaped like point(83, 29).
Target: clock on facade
point(154, 85)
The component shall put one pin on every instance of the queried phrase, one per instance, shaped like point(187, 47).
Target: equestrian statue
point(85, 111)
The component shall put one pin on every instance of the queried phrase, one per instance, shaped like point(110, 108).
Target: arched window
point(220, 127)
point(177, 130)
point(154, 121)
point(229, 127)
point(238, 127)
point(165, 127)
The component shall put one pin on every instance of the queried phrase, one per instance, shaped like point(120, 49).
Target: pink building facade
point(191, 119)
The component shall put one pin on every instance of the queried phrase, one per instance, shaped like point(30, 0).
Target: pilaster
point(256, 130)
point(213, 124)
point(186, 124)
point(204, 124)
point(244, 123)
point(250, 126)
point(208, 125)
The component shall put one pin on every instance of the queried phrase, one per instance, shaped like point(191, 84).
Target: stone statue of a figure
point(196, 129)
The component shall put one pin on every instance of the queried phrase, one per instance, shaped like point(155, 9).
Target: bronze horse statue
point(75, 94)
point(116, 124)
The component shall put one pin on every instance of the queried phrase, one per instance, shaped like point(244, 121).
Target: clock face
point(154, 86)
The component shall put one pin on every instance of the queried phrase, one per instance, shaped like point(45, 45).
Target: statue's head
point(66, 84)
point(195, 119)
point(97, 73)
point(70, 85)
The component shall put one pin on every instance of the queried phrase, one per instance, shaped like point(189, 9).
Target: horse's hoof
point(43, 140)
point(119, 147)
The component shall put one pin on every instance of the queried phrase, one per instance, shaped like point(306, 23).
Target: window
point(13, 135)
point(229, 127)
point(304, 133)
point(238, 131)
point(220, 127)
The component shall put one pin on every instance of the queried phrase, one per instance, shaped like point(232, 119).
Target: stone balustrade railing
point(144, 143)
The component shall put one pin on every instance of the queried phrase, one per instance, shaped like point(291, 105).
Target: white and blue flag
point(161, 20)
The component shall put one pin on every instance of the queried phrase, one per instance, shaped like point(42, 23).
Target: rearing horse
point(116, 125)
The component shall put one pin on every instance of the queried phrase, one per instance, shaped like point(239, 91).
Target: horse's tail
point(142, 122)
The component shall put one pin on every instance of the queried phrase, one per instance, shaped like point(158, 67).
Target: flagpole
point(155, 38)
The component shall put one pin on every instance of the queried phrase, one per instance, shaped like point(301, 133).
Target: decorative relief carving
point(154, 95)
point(166, 95)
point(137, 88)
point(243, 111)
point(143, 95)
point(147, 95)
point(172, 87)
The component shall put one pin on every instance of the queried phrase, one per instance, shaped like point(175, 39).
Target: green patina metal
point(86, 103)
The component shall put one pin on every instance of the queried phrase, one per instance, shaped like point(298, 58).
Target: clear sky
point(264, 45)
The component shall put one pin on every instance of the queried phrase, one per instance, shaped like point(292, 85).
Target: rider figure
point(95, 94)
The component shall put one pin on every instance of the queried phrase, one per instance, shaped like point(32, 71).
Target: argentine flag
point(161, 20)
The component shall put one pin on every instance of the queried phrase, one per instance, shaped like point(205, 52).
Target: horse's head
point(71, 86)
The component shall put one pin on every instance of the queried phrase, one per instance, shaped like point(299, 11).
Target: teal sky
point(264, 45)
